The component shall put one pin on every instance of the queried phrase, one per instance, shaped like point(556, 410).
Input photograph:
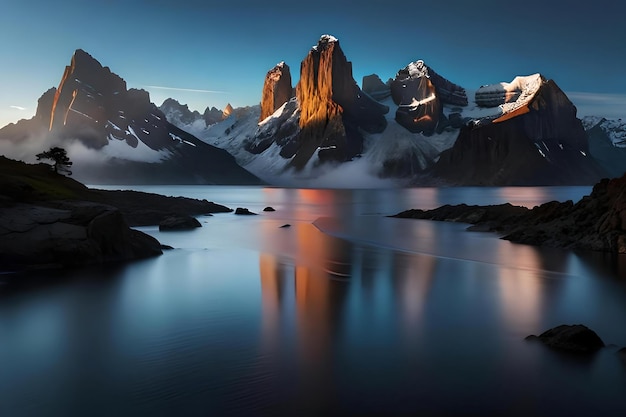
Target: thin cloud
point(599, 104)
point(193, 90)
point(18, 108)
point(602, 98)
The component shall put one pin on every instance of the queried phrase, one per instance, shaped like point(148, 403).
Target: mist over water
point(346, 312)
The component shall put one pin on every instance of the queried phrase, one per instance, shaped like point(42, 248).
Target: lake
point(345, 312)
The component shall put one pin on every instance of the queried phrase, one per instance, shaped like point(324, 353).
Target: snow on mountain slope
point(615, 129)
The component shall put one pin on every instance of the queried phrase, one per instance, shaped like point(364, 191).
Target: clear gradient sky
point(225, 48)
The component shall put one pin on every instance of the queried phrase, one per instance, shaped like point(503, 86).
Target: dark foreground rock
point(81, 233)
point(48, 220)
point(597, 222)
point(572, 338)
point(179, 222)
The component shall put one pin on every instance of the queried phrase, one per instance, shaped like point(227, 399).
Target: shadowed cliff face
point(540, 143)
point(420, 94)
point(277, 89)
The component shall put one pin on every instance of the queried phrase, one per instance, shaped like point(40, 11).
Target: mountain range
point(418, 128)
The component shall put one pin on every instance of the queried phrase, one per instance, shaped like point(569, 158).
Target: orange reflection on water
point(524, 196)
point(520, 287)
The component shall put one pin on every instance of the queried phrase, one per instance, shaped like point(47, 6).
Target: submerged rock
point(572, 338)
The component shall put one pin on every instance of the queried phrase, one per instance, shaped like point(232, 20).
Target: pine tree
point(59, 156)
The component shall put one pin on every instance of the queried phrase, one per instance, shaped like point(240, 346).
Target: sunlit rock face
point(332, 106)
point(327, 115)
point(277, 89)
point(420, 94)
point(534, 139)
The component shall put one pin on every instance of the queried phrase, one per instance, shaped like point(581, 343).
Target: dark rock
point(179, 223)
point(81, 234)
point(420, 94)
point(607, 140)
point(373, 85)
point(285, 226)
point(277, 89)
point(539, 142)
point(243, 211)
point(572, 338)
point(269, 209)
point(597, 222)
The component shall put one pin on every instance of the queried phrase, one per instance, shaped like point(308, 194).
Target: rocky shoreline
point(597, 222)
point(48, 220)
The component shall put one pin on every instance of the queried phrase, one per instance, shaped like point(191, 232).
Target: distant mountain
point(116, 135)
point(180, 116)
point(607, 143)
point(532, 138)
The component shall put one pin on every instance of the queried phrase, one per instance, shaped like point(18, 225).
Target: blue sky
point(225, 48)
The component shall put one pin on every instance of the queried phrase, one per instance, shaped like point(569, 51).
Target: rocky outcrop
point(80, 233)
point(373, 85)
point(179, 222)
point(49, 220)
point(242, 211)
point(179, 114)
point(575, 338)
point(597, 222)
point(277, 89)
point(129, 138)
point(420, 94)
point(535, 140)
point(213, 115)
point(228, 110)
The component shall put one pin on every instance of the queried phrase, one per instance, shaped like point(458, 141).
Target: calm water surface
point(346, 312)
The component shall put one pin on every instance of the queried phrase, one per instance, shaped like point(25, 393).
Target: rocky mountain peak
point(277, 89)
point(332, 106)
point(420, 94)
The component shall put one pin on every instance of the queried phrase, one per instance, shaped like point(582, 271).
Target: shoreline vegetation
point(48, 220)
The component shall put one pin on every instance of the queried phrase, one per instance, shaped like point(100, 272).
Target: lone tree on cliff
point(59, 156)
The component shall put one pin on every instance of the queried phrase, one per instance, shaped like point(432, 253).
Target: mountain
point(277, 89)
point(192, 121)
point(532, 137)
point(418, 128)
point(116, 135)
point(325, 120)
point(420, 94)
point(607, 143)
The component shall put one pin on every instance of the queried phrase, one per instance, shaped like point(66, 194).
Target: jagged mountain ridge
point(533, 139)
point(116, 135)
point(270, 146)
